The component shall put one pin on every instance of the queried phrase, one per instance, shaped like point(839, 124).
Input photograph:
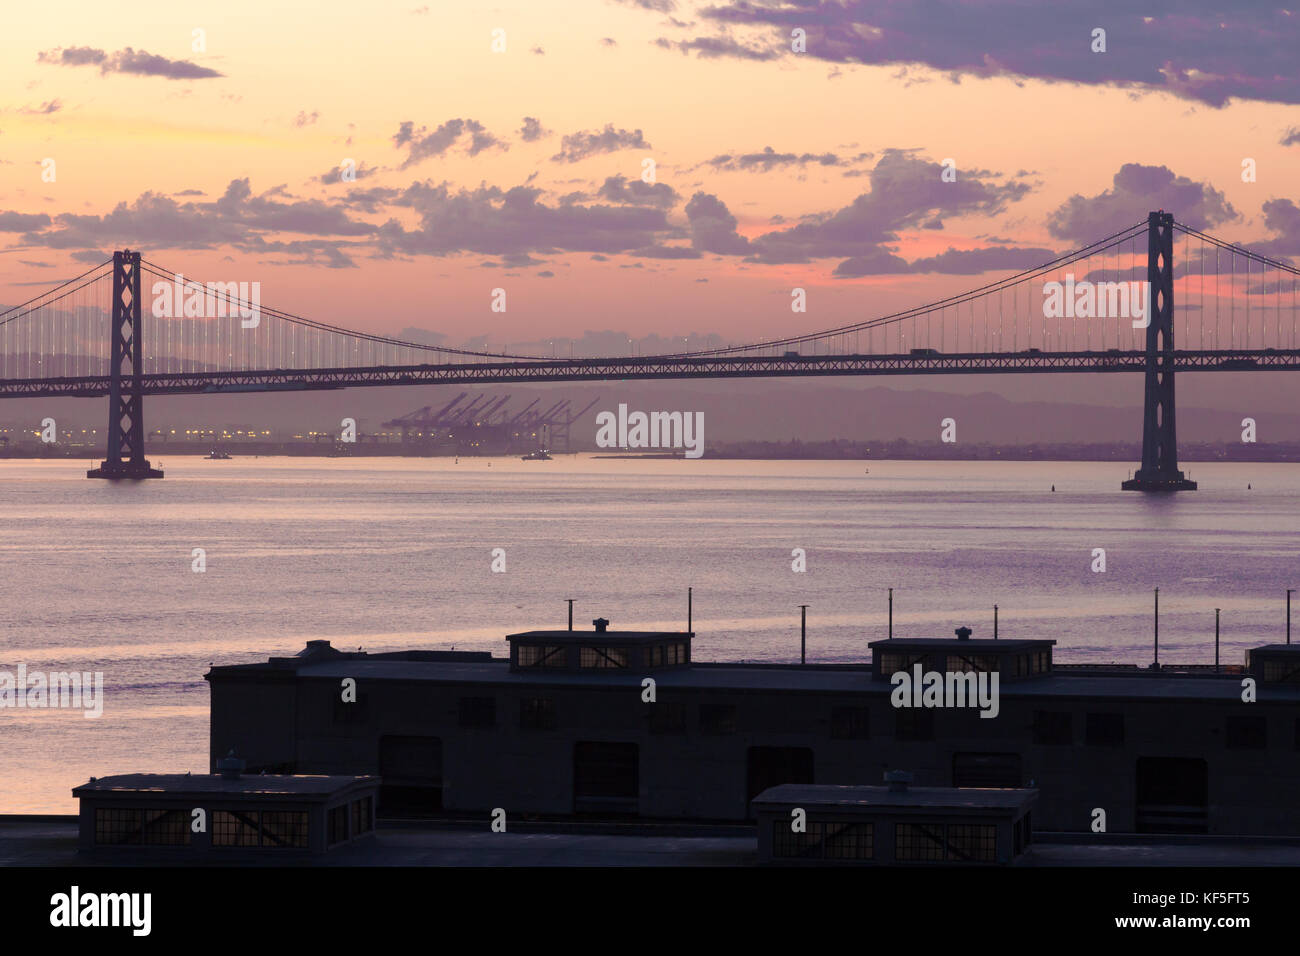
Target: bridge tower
point(1159, 471)
point(125, 457)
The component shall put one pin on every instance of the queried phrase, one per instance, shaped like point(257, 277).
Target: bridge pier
point(1159, 471)
point(125, 453)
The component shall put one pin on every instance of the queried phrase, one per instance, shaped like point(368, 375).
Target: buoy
point(1053, 487)
point(1248, 486)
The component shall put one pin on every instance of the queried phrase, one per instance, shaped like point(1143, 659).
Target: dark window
point(1297, 733)
point(114, 827)
point(717, 718)
point(166, 827)
point(1053, 727)
point(1171, 795)
point(284, 828)
point(478, 712)
point(913, 723)
point(828, 841)
point(602, 657)
point(365, 821)
point(541, 655)
point(338, 824)
point(667, 717)
point(788, 844)
point(537, 713)
point(410, 771)
point(918, 841)
point(849, 841)
point(850, 723)
point(972, 843)
point(234, 828)
point(773, 766)
point(605, 777)
point(986, 770)
point(1246, 733)
point(1104, 730)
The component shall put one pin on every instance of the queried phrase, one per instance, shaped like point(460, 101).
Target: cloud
point(50, 106)
point(492, 221)
point(1193, 50)
point(1282, 216)
point(1135, 191)
point(709, 48)
point(138, 63)
point(659, 6)
point(90, 257)
point(305, 119)
point(907, 192)
point(421, 144)
point(713, 227)
point(770, 159)
point(1291, 136)
point(580, 145)
point(620, 190)
point(237, 219)
point(532, 130)
point(608, 41)
point(22, 222)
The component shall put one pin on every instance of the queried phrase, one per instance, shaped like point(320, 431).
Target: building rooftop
point(986, 645)
point(839, 678)
point(218, 785)
point(821, 796)
point(604, 637)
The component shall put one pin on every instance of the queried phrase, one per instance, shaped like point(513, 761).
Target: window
point(667, 717)
point(234, 828)
point(913, 723)
point(850, 723)
point(114, 827)
point(1279, 672)
point(891, 662)
point(972, 843)
point(602, 657)
point(478, 712)
point(654, 655)
point(1053, 728)
point(978, 663)
point(790, 845)
point(1042, 662)
point(849, 841)
point(284, 828)
point(824, 840)
point(338, 824)
point(606, 777)
point(676, 653)
point(953, 843)
point(166, 828)
point(1104, 730)
point(537, 713)
point(361, 810)
point(1246, 733)
point(986, 770)
point(717, 718)
point(918, 841)
point(541, 655)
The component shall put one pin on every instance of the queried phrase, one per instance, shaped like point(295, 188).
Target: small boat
point(216, 455)
point(539, 455)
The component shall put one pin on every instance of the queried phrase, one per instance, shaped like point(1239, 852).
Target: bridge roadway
point(922, 362)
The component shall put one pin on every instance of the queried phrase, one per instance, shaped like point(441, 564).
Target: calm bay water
point(395, 553)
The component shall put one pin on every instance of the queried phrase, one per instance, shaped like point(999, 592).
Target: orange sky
point(362, 70)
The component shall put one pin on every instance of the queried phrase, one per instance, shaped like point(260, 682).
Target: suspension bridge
point(1105, 307)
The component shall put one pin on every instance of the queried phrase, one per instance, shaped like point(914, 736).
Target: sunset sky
point(219, 153)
